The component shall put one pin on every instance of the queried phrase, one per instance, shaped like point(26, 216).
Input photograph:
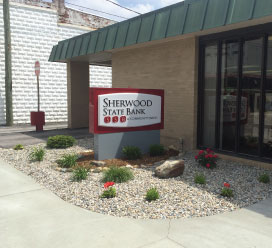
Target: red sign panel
point(114, 110)
point(37, 68)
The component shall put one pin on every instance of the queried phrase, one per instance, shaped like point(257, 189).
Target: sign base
point(110, 145)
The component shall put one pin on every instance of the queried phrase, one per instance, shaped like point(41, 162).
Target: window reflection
point(209, 96)
point(268, 104)
point(250, 97)
point(229, 81)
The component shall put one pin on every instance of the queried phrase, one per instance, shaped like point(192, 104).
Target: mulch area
point(87, 157)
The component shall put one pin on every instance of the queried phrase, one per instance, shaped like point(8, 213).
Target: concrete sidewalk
point(25, 135)
point(33, 217)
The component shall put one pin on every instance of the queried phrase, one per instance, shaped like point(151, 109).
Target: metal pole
point(38, 90)
point(8, 73)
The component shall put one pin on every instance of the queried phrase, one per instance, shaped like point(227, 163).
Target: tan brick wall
point(170, 66)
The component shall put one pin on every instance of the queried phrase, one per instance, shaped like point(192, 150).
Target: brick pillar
point(78, 94)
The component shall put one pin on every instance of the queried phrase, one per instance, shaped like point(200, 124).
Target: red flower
point(196, 157)
point(208, 150)
point(227, 185)
point(200, 152)
point(108, 184)
point(206, 156)
point(215, 156)
point(208, 165)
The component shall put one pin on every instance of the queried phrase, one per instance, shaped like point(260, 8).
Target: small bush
point(200, 179)
point(227, 192)
point(60, 141)
point(264, 178)
point(152, 195)
point(79, 174)
point(37, 154)
point(67, 161)
point(117, 175)
point(156, 150)
point(132, 152)
point(109, 193)
point(207, 158)
point(18, 147)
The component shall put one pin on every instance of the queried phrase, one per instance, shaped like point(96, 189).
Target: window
point(267, 141)
point(209, 96)
point(235, 113)
point(228, 95)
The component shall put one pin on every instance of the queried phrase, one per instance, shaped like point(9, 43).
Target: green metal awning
point(182, 18)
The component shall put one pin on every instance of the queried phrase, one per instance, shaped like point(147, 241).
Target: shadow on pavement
point(9, 140)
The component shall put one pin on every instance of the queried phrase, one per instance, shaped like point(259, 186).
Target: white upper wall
point(34, 31)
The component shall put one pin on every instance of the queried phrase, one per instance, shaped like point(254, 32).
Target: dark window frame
point(241, 35)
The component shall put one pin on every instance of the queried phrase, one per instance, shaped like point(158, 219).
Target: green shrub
point(37, 154)
point(227, 192)
point(264, 178)
point(132, 152)
point(117, 175)
point(60, 141)
point(156, 150)
point(152, 195)
point(79, 174)
point(109, 193)
point(200, 179)
point(67, 161)
point(18, 147)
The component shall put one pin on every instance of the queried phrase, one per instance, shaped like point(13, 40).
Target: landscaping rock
point(180, 197)
point(173, 148)
point(129, 166)
point(158, 163)
point(98, 163)
point(87, 151)
point(97, 170)
point(168, 169)
point(63, 169)
point(173, 158)
point(80, 156)
point(181, 154)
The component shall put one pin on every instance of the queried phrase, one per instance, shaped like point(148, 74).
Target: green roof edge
point(194, 19)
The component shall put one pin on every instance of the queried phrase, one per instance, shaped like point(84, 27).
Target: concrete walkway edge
point(32, 216)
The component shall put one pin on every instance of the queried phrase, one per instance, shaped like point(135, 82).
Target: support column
point(78, 94)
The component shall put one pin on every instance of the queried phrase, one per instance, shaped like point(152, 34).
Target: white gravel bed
point(179, 197)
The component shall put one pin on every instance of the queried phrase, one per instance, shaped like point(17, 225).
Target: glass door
point(209, 98)
point(267, 141)
point(228, 95)
point(250, 98)
point(236, 94)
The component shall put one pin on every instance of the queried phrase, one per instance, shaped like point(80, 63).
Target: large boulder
point(170, 168)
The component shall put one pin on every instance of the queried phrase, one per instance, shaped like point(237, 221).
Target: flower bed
point(87, 157)
point(178, 197)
